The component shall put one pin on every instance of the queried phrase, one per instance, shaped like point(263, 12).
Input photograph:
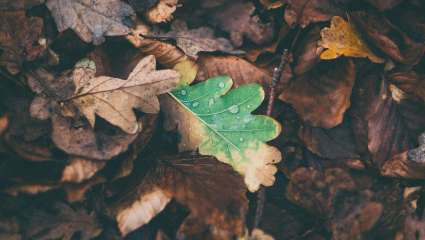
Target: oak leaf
point(114, 99)
point(343, 39)
point(91, 20)
point(222, 125)
point(194, 181)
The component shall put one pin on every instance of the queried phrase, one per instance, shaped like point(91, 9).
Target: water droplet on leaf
point(183, 92)
point(234, 109)
point(221, 84)
point(241, 139)
point(211, 102)
point(195, 104)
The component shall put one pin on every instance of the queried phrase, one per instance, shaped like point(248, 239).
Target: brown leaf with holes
point(322, 95)
point(21, 39)
point(194, 181)
point(239, 20)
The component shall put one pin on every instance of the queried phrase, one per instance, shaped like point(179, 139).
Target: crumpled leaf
point(197, 40)
point(114, 99)
point(239, 20)
point(20, 38)
point(91, 20)
point(385, 36)
point(221, 125)
point(322, 95)
point(59, 221)
point(162, 11)
point(304, 12)
point(80, 169)
point(194, 181)
point(410, 82)
point(342, 39)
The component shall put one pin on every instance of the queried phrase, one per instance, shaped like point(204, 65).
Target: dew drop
point(248, 106)
point(241, 139)
point(210, 102)
point(195, 104)
point(237, 117)
point(221, 84)
point(234, 109)
point(183, 92)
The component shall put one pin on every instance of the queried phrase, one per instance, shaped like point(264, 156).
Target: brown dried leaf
point(91, 20)
point(114, 99)
point(197, 40)
point(322, 95)
point(388, 38)
point(162, 12)
point(20, 39)
point(165, 53)
point(304, 12)
point(383, 127)
point(18, 4)
point(241, 71)
point(414, 228)
point(384, 5)
point(194, 181)
point(238, 19)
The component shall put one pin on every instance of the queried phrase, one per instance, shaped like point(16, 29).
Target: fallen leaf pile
point(212, 119)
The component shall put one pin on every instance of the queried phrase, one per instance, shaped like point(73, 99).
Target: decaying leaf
point(165, 53)
point(162, 11)
point(221, 124)
point(21, 39)
point(91, 20)
point(304, 12)
point(187, 70)
point(197, 40)
point(60, 221)
point(114, 99)
point(322, 95)
point(342, 39)
point(238, 19)
point(194, 181)
point(411, 82)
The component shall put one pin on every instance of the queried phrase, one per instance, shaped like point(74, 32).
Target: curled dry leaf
point(59, 221)
point(165, 53)
point(304, 12)
point(197, 40)
point(194, 181)
point(389, 38)
point(20, 38)
point(162, 11)
point(241, 71)
point(322, 95)
point(307, 51)
point(342, 39)
point(210, 118)
point(91, 20)
point(114, 99)
point(239, 20)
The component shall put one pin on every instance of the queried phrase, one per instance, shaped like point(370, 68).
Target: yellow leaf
point(188, 70)
point(342, 39)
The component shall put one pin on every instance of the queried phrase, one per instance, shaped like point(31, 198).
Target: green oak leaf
point(219, 122)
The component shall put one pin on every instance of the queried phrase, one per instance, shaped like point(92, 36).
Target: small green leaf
point(229, 131)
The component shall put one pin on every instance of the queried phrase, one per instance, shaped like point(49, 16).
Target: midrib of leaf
point(205, 123)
